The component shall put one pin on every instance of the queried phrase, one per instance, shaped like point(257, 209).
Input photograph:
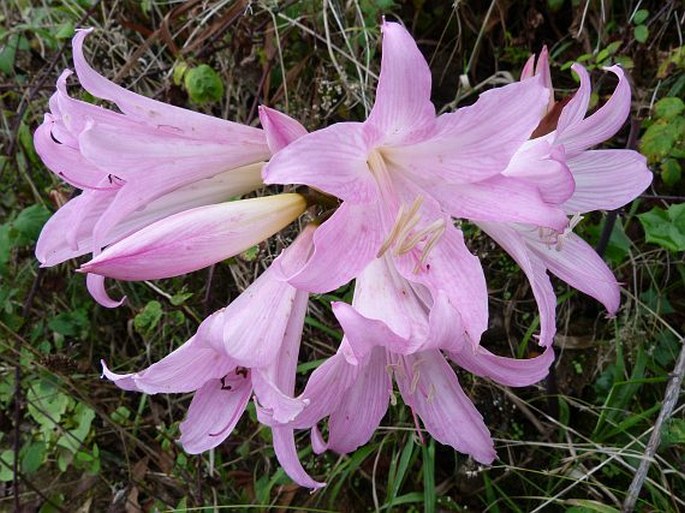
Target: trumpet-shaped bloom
point(196, 238)
point(136, 166)
point(220, 366)
point(390, 171)
point(603, 180)
point(402, 336)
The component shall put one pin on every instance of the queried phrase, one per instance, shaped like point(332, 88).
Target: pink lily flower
point(136, 166)
point(604, 180)
point(191, 240)
point(391, 330)
point(249, 347)
point(390, 169)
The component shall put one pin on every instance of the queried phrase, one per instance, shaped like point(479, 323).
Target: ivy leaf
point(204, 85)
point(665, 227)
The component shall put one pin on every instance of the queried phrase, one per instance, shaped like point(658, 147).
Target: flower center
point(555, 239)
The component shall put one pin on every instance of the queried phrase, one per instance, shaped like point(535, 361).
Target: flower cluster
point(158, 183)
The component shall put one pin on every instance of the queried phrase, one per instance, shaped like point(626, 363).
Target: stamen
point(554, 239)
point(404, 222)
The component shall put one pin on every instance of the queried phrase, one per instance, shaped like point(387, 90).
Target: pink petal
point(477, 142)
point(274, 384)
point(403, 111)
point(343, 246)
point(450, 268)
point(186, 369)
point(262, 324)
point(159, 114)
point(607, 179)
point(574, 111)
point(364, 404)
point(513, 243)
point(96, 287)
point(332, 159)
point(214, 412)
point(196, 238)
point(579, 265)
point(429, 386)
point(604, 123)
point(69, 232)
point(513, 372)
point(286, 452)
point(543, 165)
point(482, 201)
point(280, 129)
point(528, 69)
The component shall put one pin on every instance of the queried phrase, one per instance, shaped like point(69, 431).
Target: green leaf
point(65, 31)
point(149, 318)
point(33, 457)
point(658, 140)
point(641, 33)
point(669, 107)
point(204, 85)
point(640, 16)
point(674, 433)
point(665, 227)
point(555, 5)
point(588, 506)
point(671, 172)
point(29, 223)
point(6, 466)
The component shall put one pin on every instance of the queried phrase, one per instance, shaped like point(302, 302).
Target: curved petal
point(332, 159)
point(604, 123)
point(513, 372)
point(476, 142)
point(363, 406)
point(343, 246)
point(579, 265)
point(286, 453)
point(402, 112)
point(430, 387)
point(214, 412)
point(544, 166)
point(280, 129)
point(196, 238)
point(607, 179)
point(483, 201)
point(536, 272)
point(96, 287)
point(574, 111)
point(159, 114)
point(184, 370)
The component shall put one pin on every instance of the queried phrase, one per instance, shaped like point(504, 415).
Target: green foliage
point(204, 85)
point(21, 231)
point(664, 140)
point(665, 227)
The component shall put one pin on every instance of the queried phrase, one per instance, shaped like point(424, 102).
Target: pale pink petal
point(542, 69)
point(579, 265)
point(536, 272)
point(196, 238)
point(332, 159)
point(402, 111)
point(96, 287)
point(184, 370)
point(69, 232)
point(483, 201)
point(325, 389)
point(274, 383)
point(364, 404)
point(280, 129)
point(543, 165)
point(65, 161)
point(286, 453)
point(607, 179)
point(574, 111)
point(343, 246)
point(430, 387)
point(452, 269)
point(214, 412)
point(604, 123)
point(528, 69)
point(513, 372)
point(159, 114)
point(477, 142)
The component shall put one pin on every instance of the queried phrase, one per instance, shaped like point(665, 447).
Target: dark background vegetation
point(70, 442)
